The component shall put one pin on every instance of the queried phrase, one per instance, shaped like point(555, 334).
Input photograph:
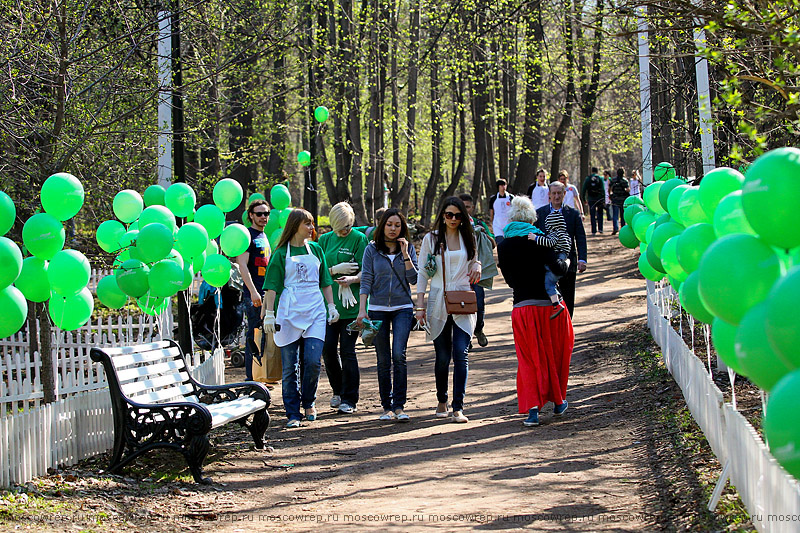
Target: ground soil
point(607, 465)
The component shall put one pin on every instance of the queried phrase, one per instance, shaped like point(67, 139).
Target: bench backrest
point(152, 373)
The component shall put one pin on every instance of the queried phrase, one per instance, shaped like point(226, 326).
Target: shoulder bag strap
point(403, 282)
point(444, 272)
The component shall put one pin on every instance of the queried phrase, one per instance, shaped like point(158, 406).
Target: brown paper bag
point(269, 369)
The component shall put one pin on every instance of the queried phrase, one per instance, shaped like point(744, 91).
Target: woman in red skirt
point(543, 344)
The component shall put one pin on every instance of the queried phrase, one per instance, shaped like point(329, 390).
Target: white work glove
point(333, 314)
point(346, 296)
point(269, 322)
point(344, 268)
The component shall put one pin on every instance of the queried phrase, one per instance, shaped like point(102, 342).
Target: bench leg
point(258, 427)
point(195, 453)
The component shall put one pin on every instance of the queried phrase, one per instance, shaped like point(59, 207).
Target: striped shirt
point(557, 236)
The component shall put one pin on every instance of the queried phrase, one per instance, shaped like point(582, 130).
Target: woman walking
point(297, 275)
point(451, 264)
point(543, 342)
point(344, 252)
point(389, 268)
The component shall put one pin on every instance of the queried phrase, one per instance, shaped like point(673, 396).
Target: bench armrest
point(180, 416)
point(210, 394)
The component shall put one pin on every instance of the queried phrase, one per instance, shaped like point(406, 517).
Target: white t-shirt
point(501, 207)
point(540, 196)
point(636, 187)
point(571, 197)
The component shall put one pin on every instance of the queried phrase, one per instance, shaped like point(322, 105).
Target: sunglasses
point(449, 216)
point(261, 213)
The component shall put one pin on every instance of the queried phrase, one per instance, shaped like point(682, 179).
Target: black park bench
point(157, 404)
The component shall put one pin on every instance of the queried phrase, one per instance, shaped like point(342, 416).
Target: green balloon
point(304, 158)
point(648, 234)
point(212, 218)
point(175, 256)
point(212, 248)
point(693, 243)
point(227, 194)
point(654, 259)
point(43, 235)
point(723, 337)
point(284, 216)
point(275, 237)
point(641, 221)
point(274, 221)
point(157, 214)
point(279, 197)
point(217, 270)
point(180, 199)
point(128, 205)
point(15, 311)
point(692, 300)
point(256, 196)
point(676, 285)
point(627, 237)
point(155, 195)
point(674, 201)
point(716, 185)
point(8, 213)
point(647, 270)
point(165, 279)
point(132, 278)
point(736, 272)
point(108, 235)
point(321, 113)
point(62, 195)
point(689, 209)
point(729, 217)
point(633, 200)
point(757, 359)
point(631, 211)
point(663, 232)
point(782, 328)
point(70, 313)
point(193, 239)
point(121, 257)
point(780, 423)
point(235, 240)
point(198, 262)
point(663, 193)
point(32, 280)
point(134, 226)
point(245, 219)
point(152, 305)
point(651, 197)
point(770, 196)
point(188, 276)
point(663, 171)
point(10, 262)
point(109, 293)
point(68, 272)
point(154, 242)
point(669, 260)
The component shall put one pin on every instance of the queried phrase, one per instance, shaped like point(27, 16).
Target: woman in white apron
point(298, 276)
point(451, 334)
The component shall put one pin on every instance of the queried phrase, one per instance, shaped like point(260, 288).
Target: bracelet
point(420, 309)
point(407, 259)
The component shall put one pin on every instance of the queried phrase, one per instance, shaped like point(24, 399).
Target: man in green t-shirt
point(344, 252)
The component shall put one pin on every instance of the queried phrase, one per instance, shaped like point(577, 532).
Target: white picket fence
point(770, 494)
point(35, 436)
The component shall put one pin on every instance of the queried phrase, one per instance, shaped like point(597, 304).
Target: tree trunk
point(531, 132)
point(277, 145)
point(566, 114)
point(589, 94)
point(436, 146)
point(395, 103)
point(411, 115)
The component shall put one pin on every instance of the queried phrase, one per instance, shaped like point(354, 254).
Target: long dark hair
point(380, 236)
point(465, 228)
point(296, 217)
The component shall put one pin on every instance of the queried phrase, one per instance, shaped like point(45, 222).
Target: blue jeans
point(296, 393)
point(480, 295)
point(341, 363)
point(392, 360)
point(551, 278)
point(451, 342)
point(253, 321)
point(617, 217)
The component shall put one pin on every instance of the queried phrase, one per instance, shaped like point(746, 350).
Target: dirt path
point(588, 471)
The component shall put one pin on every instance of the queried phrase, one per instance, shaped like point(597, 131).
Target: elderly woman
point(344, 252)
point(543, 345)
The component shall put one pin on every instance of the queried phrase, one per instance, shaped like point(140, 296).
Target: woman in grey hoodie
point(388, 270)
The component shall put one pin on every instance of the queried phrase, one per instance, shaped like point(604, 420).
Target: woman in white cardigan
point(453, 241)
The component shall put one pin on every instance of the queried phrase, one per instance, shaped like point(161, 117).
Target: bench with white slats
point(157, 403)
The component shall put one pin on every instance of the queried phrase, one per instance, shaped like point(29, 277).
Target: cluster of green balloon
point(12, 300)
point(280, 198)
point(304, 158)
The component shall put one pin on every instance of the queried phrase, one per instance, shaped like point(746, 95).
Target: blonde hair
point(341, 216)
point(522, 210)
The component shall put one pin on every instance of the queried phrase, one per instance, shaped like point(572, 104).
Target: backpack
point(618, 186)
point(595, 188)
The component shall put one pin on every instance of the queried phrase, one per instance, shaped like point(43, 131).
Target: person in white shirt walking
point(572, 197)
point(499, 206)
point(539, 192)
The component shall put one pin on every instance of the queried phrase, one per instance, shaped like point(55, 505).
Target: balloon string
point(218, 319)
point(732, 379)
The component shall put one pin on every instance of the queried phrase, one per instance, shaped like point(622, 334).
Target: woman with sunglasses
point(450, 245)
point(344, 251)
point(389, 268)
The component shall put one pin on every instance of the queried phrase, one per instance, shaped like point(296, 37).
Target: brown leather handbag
point(457, 302)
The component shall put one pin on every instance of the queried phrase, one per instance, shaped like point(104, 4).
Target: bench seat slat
point(180, 393)
point(123, 361)
point(168, 367)
point(133, 388)
point(222, 413)
point(112, 352)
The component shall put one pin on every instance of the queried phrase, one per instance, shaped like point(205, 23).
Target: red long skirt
point(544, 349)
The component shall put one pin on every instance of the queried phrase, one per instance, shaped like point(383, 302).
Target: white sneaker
point(346, 408)
point(336, 401)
